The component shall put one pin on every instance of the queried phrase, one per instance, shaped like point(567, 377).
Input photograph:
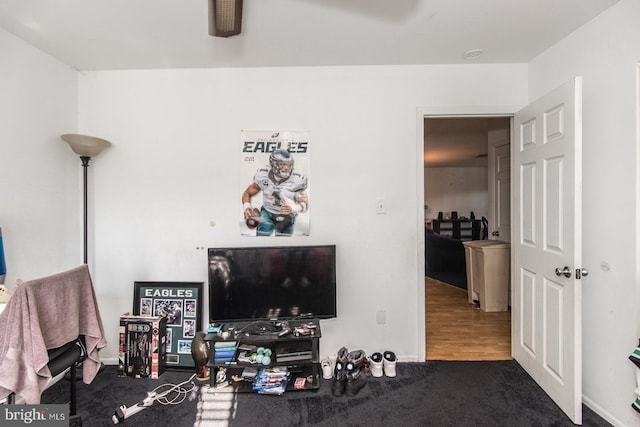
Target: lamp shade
point(84, 145)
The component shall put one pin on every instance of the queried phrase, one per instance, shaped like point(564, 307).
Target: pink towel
point(43, 314)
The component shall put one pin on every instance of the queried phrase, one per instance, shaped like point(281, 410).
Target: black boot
point(340, 373)
point(356, 379)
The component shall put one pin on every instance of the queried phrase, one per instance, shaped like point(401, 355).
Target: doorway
point(460, 180)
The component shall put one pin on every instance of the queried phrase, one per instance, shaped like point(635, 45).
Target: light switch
point(381, 206)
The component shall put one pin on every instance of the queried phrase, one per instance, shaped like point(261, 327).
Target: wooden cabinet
point(461, 229)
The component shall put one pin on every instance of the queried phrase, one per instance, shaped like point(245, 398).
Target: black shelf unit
point(460, 229)
point(299, 353)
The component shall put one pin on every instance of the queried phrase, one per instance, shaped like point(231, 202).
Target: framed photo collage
point(181, 304)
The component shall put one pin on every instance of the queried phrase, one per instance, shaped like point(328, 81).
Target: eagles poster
point(274, 180)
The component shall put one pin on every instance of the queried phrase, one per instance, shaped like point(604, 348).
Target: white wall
point(39, 174)
point(461, 189)
point(606, 52)
point(174, 167)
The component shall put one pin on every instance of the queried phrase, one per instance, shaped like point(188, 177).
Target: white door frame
point(435, 112)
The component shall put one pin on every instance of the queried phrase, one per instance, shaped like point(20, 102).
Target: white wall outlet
point(381, 317)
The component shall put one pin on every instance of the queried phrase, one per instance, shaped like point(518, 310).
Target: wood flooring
point(457, 330)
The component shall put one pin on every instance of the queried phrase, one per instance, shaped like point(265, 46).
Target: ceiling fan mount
point(225, 18)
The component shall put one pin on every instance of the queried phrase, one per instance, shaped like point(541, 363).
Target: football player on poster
point(276, 202)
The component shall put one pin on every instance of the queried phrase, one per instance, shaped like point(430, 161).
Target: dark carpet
point(422, 394)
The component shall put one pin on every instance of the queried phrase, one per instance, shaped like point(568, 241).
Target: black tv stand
point(293, 344)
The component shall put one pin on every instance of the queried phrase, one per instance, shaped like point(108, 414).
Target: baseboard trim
point(109, 360)
point(600, 411)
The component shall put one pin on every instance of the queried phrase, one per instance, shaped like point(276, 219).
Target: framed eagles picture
point(181, 304)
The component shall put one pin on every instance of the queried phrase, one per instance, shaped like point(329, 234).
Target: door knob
point(566, 271)
point(581, 272)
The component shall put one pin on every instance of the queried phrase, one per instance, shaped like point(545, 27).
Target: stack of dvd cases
point(271, 380)
point(225, 352)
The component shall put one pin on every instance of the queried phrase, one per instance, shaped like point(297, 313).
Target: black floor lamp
point(86, 147)
point(3, 265)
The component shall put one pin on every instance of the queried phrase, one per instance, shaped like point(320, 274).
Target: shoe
point(354, 385)
point(339, 384)
point(356, 380)
point(342, 355)
point(635, 357)
point(327, 368)
point(339, 373)
point(389, 363)
point(338, 364)
point(636, 404)
point(375, 365)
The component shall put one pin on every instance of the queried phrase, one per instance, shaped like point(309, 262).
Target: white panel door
point(547, 307)
point(500, 184)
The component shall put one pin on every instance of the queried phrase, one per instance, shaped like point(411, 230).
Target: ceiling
point(148, 34)
point(459, 142)
point(156, 34)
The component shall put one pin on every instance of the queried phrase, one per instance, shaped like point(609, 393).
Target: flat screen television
point(270, 283)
